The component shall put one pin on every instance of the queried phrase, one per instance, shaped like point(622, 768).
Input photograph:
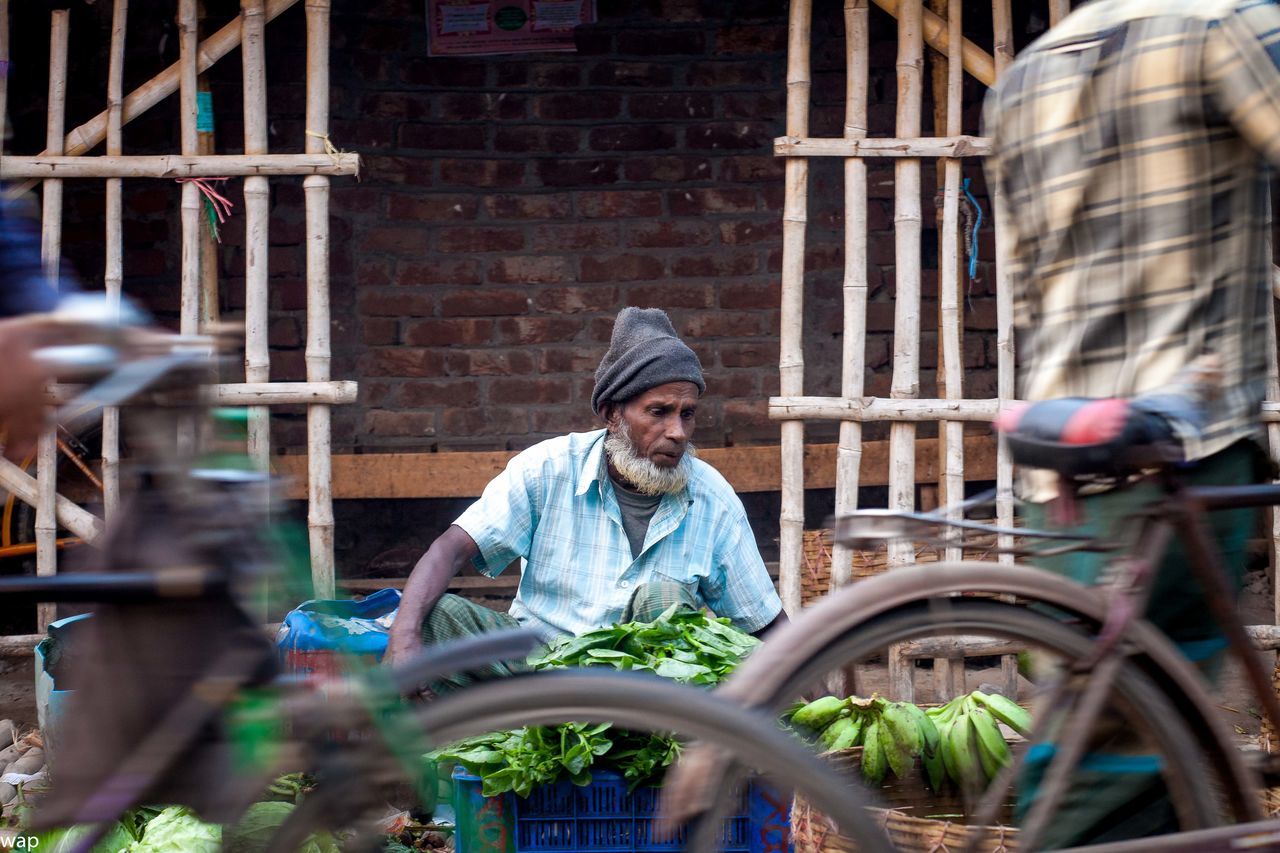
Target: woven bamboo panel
point(1271, 744)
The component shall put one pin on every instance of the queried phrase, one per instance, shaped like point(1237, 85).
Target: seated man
point(610, 526)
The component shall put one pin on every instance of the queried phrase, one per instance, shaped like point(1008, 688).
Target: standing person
point(1132, 144)
point(609, 526)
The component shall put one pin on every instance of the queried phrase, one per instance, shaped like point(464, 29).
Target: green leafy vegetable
point(254, 831)
point(177, 830)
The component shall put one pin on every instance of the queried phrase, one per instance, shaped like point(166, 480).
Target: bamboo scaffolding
point(46, 521)
point(949, 280)
point(205, 143)
point(75, 518)
point(906, 332)
point(316, 190)
point(284, 393)
point(179, 166)
point(1058, 9)
point(189, 311)
point(977, 61)
point(257, 213)
point(113, 276)
point(880, 409)
point(1002, 48)
point(943, 146)
point(83, 138)
point(791, 348)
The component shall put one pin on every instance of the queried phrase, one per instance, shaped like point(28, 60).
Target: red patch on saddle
point(1007, 419)
point(1096, 422)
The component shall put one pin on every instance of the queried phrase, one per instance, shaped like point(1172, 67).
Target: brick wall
point(511, 205)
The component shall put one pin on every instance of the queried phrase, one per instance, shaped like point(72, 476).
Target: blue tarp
point(355, 627)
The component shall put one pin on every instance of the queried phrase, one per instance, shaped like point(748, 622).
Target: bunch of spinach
point(683, 645)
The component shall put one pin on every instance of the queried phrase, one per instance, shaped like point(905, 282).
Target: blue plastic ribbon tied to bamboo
point(317, 636)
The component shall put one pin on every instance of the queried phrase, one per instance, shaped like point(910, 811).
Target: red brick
point(761, 39)
point(538, 330)
point(489, 362)
point(621, 268)
point(537, 139)
point(374, 394)
point(379, 331)
point(561, 420)
point(284, 332)
point(512, 74)
point(373, 272)
point(540, 206)
point(746, 415)
point(483, 303)
point(482, 173)
point(981, 315)
point(438, 270)
point(751, 169)
point(668, 234)
point(570, 359)
point(531, 392)
point(694, 202)
point(663, 42)
point(722, 74)
point(684, 106)
point(819, 257)
point(401, 105)
point(732, 383)
point(555, 75)
point(768, 106)
point(472, 106)
point(728, 324)
point(383, 38)
point(400, 424)
point(574, 236)
point(149, 198)
point(441, 137)
point(288, 294)
point(722, 263)
point(616, 204)
point(440, 333)
point(880, 316)
point(396, 304)
point(614, 73)
point(402, 361)
point(740, 295)
point(731, 136)
point(443, 72)
point(592, 42)
point(747, 233)
point(284, 262)
point(350, 198)
point(667, 295)
point(363, 134)
point(673, 169)
point(575, 300)
point(577, 106)
point(471, 239)
point(749, 354)
point(577, 173)
point(687, 11)
point(486, 420)
point(632, 137)
point(399, 240)
point(446, 392)
point(530, 269)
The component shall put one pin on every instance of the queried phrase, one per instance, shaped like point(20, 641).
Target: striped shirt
point(1132, 144)
point(555, 509)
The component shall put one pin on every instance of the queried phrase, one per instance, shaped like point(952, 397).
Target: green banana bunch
point(970, 743)
point(819, 713)
point(1006, 711)
point(993, 751)
point(874, 760)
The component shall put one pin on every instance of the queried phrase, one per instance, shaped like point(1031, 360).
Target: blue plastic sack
point(354, 627)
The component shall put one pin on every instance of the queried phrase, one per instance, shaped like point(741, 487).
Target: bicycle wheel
point(633, 702)
point(1203, 772)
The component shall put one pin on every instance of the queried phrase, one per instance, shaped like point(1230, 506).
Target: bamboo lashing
point(113, 275)
point(46, 522)
point(85, 137)
point(257, 213)
point(790, 343)
point(906, 333)
point(316, 191)
point(977, 61)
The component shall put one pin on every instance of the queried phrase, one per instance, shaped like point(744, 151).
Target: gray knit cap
point(644, 353)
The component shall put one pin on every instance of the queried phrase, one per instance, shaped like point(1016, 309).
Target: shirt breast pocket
point(688, 578)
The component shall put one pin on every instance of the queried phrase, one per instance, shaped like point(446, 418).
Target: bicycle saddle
point(1096, 437)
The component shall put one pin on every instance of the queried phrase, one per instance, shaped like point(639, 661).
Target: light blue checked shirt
point(554, 508)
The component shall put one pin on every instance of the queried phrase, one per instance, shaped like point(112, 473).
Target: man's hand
point(402, 644)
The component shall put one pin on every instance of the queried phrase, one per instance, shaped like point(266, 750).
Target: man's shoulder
point(706, 482)
point(565, 451)
point(1105, 15)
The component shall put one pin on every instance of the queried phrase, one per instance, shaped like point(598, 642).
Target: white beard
point(643, 475)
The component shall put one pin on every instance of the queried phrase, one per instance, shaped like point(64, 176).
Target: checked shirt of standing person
point(1132, 144)
point(609, 526)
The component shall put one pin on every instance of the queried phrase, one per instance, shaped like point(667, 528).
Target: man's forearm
point(431, 576)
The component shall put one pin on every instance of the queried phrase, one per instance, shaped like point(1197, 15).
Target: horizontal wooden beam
point(873, 409)
point(178, 166)
point(748, 469)
point(942, 146)
point(335, 393)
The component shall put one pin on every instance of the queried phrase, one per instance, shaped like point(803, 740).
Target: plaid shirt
point(1131, 143)
point(554, 508)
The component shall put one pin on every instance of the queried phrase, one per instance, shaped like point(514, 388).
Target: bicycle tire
point(634, 702)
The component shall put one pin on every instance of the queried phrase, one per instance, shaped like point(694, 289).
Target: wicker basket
point(917, 818)
point(815, 580)
point(1270, 743)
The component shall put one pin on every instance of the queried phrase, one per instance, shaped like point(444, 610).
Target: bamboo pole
point(283, 393)
point(952, 438)
point(113, 277)
point(977, 61)
point(906, 332)
point(791, 349)
point(1058, 9)
point(257, 213)
point(192, 204)
point(205, 143)
point(46, 522)
point(943, 146)
point(155, 90)
point(316, 190)
point(879, 409)
point(75, 518)
point(4, 70)
point(178, 166)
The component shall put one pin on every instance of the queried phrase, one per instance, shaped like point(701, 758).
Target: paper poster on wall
point(471, 28)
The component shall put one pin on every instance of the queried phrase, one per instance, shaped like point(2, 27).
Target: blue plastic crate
point(601, 818)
